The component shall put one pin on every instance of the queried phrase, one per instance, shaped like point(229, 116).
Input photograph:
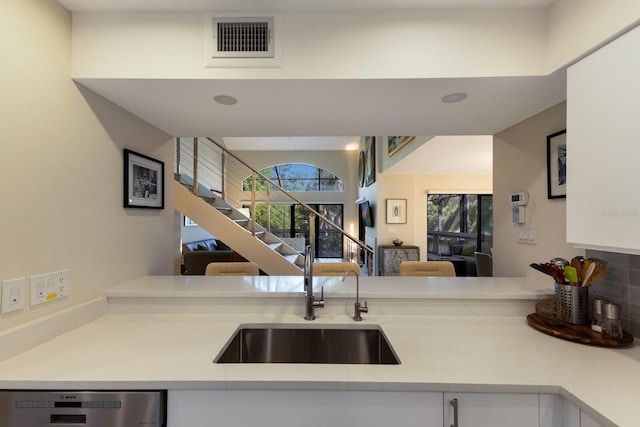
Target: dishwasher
point(41, 408)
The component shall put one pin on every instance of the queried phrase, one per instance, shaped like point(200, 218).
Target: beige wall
point(414, 188)
point(520, 164)
point(61, 169)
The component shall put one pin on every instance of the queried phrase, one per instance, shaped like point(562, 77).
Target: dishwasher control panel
point(37, 408)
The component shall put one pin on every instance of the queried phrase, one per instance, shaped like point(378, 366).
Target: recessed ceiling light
point(454, 97)
point(225, 99)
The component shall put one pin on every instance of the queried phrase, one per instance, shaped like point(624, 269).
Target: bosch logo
point(68, 397)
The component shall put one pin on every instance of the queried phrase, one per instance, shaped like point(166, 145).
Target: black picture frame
point(361, 168)
point(143, 181)
point(557, 165)
point(370, 160)
point(396, 143)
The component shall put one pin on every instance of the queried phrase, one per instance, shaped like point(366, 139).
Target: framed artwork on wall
point(396, 211)
point(143, 181)
point(361, 168)
point(557, 165)
point(395, 143)
point(370, 160)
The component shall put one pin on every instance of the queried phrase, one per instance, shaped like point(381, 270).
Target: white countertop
point(438, 352)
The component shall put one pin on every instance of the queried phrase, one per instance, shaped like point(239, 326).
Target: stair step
point(224, 210)
point(274, 245)
point(210, 200)
point(291, 258)
point(242, 222)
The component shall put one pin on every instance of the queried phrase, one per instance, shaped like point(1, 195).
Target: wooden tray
point(578, 333)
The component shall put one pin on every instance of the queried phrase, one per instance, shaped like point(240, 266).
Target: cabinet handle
point(454, 403)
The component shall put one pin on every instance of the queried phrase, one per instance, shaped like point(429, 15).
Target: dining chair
point(484, 264)
point(232, 269)
point(427, 268)
point(334, 268)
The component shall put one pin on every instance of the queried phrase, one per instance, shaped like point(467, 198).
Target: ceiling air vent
point(242, 37)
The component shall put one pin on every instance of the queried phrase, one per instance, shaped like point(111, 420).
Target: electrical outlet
point(12, 295)
point(50, 286)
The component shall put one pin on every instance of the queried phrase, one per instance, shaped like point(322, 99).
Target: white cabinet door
point(556, 411)
point(492, 409)
point(587, 421)
point(602, 147)
point(277, 408)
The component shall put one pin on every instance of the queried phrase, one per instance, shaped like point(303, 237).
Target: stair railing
point(255, 173)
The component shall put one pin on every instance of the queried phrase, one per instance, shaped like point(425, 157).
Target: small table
point(390, 257)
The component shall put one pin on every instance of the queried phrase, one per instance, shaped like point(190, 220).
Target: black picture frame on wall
point(557, 165)
point(370, 160)
point(143, 181)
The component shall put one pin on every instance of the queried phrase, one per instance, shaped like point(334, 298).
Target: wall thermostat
point(519, 199)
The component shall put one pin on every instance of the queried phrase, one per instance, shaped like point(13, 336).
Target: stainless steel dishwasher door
point(30, 408)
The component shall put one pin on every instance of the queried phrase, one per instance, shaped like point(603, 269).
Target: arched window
point(296, 177)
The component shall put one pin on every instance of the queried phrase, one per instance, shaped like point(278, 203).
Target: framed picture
point(143, 181)
point(370, 160)
point(395, 143)
point(557, 165)
point(361, 167)
point(396, 211)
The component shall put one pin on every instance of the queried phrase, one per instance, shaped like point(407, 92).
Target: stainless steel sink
point(336, 344)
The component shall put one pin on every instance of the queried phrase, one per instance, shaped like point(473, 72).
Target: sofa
point(462, 257)
point(197, 255)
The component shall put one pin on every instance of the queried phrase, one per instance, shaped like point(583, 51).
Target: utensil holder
point(577, 300)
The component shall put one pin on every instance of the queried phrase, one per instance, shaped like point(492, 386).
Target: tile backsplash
point(621, 284)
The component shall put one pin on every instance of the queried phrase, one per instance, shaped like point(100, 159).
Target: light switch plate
point(49, 287)
point(12, 295)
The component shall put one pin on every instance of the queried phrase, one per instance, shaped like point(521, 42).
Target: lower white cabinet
point(280, 408)
point(343, 408)
point(491, 410)
point(556, 411)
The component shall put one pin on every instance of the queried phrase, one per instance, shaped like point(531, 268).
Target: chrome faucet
point(357, 308)
point(309, 301)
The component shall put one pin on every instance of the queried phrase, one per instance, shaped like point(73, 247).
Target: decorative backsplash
point(621, 284)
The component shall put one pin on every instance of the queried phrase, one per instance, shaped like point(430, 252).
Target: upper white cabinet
point(603, 147)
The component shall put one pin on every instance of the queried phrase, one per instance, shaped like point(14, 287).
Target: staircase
point(216, 216)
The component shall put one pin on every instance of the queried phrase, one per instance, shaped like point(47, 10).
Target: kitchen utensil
point(560, 262)
point(583, 271)
point(556, 272)
point(540, 267)
point(599, 261)
point(576, 262)
point(586, 280)
point(598, 274)
point(571, 274)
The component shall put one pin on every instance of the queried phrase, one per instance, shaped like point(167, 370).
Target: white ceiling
point(330, 114)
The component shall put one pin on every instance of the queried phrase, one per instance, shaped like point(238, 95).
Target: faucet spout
point(310, 303)
point(357, 307)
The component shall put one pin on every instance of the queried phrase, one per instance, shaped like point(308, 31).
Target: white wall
point(61, 174)
point(575, 27)
point(519, 164)
point(357, 44)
